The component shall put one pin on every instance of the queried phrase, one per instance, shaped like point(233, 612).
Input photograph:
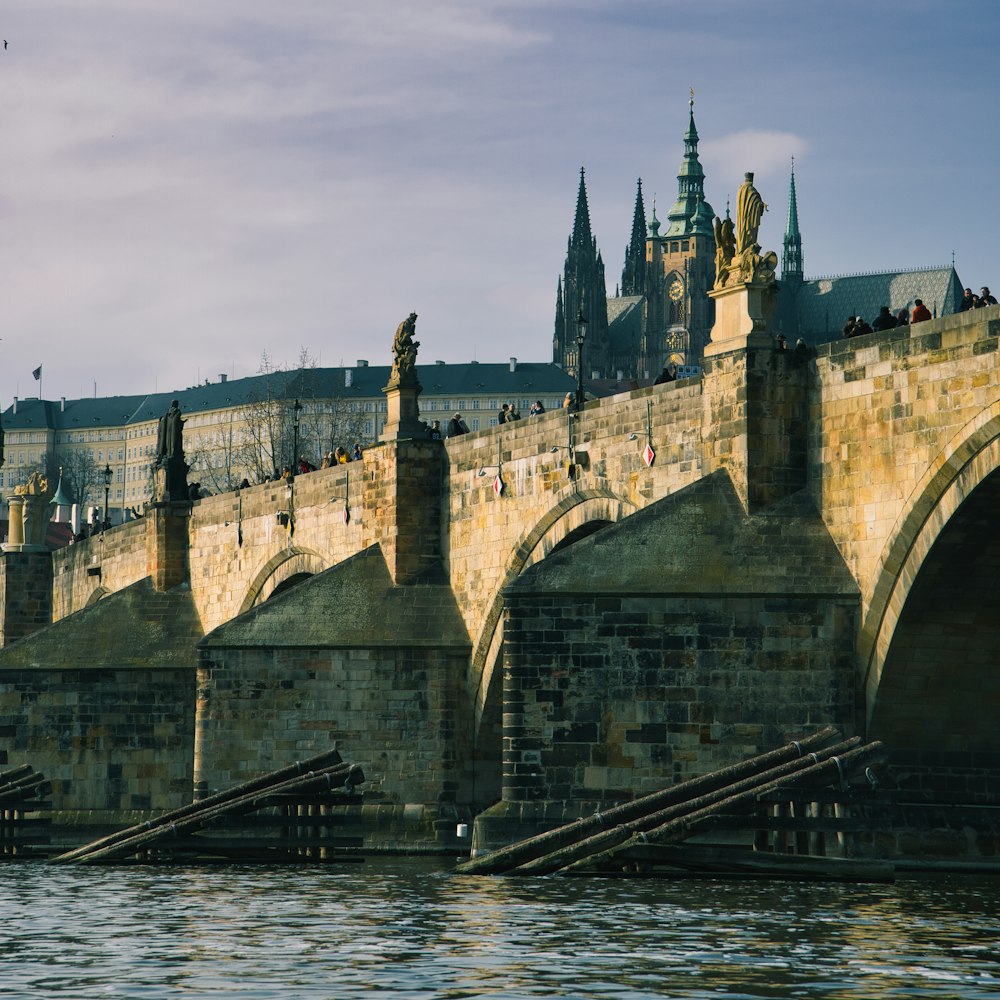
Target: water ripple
point(406, 929)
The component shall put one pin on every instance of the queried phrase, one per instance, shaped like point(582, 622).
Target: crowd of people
point(856, 326)
point(339, 456)
point(457, 426)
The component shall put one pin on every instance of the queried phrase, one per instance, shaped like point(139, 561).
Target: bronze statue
point(171, 469)
point(170, 433)
point(750, 208)
point(404, 347)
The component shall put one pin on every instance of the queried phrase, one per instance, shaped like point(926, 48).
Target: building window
point(475, 406)
point(685, 246)
point(673, 248)
point(474, 423)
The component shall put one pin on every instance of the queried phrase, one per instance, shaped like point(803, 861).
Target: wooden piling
point(515, 855)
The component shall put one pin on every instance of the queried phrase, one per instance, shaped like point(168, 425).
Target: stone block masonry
point(107, 739)
point(25, 594)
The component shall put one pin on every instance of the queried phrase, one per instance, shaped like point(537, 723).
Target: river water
point(405, 928)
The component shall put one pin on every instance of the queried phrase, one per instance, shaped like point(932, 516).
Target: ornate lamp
point(581, 336)
point(106, 474)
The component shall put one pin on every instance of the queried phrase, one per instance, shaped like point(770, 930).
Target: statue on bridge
point(737, 253)
point(171, 469)
point(404, 348)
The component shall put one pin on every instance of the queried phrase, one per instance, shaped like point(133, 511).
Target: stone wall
point(886, 413)
point(607, 698)
point(492, 539)
point(25, 594)
point(398, 713)
point(108, 739)
point(106, 562)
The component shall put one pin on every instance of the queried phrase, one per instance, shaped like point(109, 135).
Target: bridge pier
point(755, 421)
point(25, 593)
point(167, 543)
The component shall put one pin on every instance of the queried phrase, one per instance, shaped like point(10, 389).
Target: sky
point(187, 187)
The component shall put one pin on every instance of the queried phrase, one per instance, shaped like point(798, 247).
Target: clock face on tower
point(676, 290)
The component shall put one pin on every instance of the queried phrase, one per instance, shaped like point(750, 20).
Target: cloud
point(768, 154)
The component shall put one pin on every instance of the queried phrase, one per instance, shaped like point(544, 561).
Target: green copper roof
point(690, 213)
point(61, 498)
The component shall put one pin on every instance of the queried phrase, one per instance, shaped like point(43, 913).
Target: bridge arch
point(576, 514)
point(96, 595)
point(962, 481)
point(278, 571)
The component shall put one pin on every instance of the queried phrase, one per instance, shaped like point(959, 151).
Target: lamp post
point(296, 409)
point(581, 335)
point(107, 492)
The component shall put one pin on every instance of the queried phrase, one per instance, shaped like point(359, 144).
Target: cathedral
point(661, 314)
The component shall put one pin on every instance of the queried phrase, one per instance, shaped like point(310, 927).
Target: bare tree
point(219, 458)
point(326, 418)
point(81, 476)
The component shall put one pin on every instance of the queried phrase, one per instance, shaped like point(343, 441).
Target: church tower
point(792, 275)
point(634, 272)
point(791, 258)
point(681, 266)
point(582, 287)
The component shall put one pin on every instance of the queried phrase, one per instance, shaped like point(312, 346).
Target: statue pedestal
point(403, 413)
point(15, 524)
point(743, 314)
point(27, 522)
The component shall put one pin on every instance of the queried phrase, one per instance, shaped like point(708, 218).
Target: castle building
point(660, 313)
point(243, 428)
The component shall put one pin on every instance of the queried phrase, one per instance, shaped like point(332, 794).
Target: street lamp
point(107, 492)
point(581, 335)
point(296, 409)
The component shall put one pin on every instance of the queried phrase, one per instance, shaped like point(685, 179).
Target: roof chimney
point(513, 364)
point(348, 377)
point(62, 404)
point(362, 363)
point(223, 377)
point(15, 404)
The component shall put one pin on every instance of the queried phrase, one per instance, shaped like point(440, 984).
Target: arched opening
point(939, 684)
point(96, 596)
point(578, 534)
point(575, 517)
point(287, 584)
point(277, 573)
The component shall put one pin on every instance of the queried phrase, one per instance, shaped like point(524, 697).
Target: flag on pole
point(38, 373)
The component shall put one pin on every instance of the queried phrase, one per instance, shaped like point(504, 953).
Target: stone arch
point(969, 458)
point(576, 514)
point(277, 570)
point(96, 595)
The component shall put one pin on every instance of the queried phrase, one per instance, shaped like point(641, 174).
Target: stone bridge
point(859, 478)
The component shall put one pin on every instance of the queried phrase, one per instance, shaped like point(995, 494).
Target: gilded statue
point(404, 348)
point(737, 253)
point(36, 486)
point(750, 208)
point(725, 247)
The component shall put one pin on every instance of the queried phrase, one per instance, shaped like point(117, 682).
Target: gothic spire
point(582, 238)
point(684, 216)
point(791, 260)
point(633, 275)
